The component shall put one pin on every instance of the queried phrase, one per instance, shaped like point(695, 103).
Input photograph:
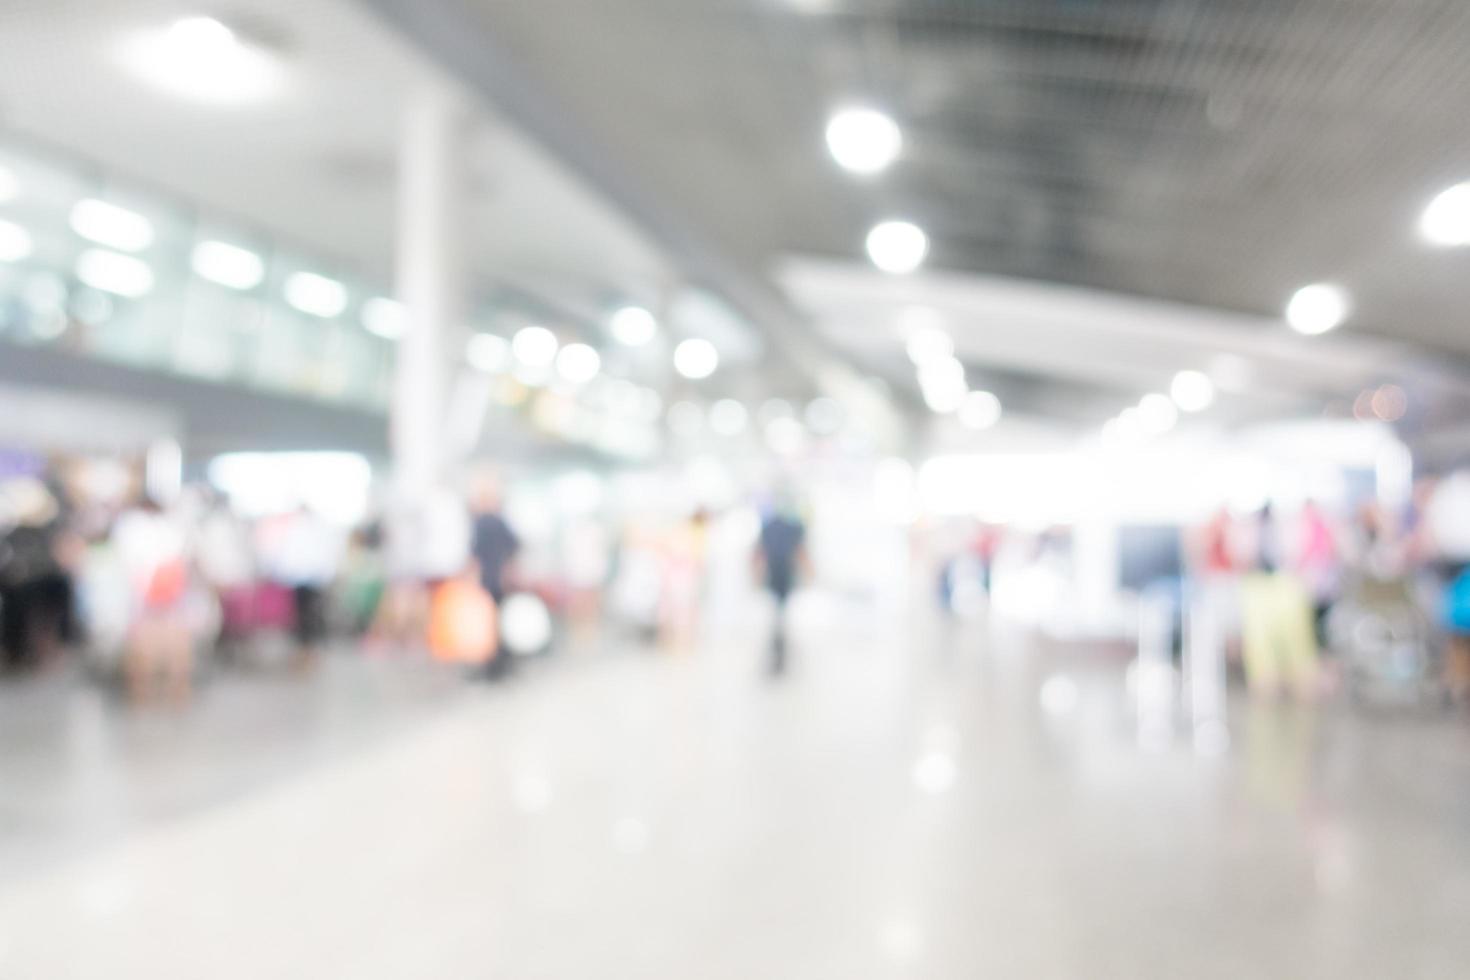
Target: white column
point(430, 286)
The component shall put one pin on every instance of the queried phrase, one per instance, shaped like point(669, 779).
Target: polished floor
point(912, 800)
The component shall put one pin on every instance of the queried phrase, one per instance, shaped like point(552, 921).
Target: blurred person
point(781, 556)
point(683, 580)
point(1215, 559)
point(1278, 645)
point(426, 540)
point(225, 558)
point(305, 558)
point(1316, 559)
point(35, 582)
point(362, 580)
point(637, 574)
point(1456, 622)
point(153, 550)
point(493, 547)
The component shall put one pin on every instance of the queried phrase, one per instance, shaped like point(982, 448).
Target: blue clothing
point(781, 541)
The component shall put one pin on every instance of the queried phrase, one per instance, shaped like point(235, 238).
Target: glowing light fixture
point(1446, 221)
point(15, 242)
point(864, 141)
point(316, 295)
point(227, 265)
point(384, 317)
point(696, 358)
point(1192, 391)
point(534, 346)
point(113, 272)
point(1317, 308)
point(633, 326)
point(487, 352)
point(110, 225)
point(943, 385)
point(927, 344)
point(1156, 414)
point(578, 363)
point(979, 410)
point(202, 59)
point(897, 246)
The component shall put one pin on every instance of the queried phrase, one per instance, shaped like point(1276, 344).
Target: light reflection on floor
point(940, 801)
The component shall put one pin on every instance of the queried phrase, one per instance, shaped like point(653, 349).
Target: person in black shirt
point(493, 545)
point(781, 556)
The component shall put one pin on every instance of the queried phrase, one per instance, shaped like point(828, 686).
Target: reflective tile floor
point(905, 803)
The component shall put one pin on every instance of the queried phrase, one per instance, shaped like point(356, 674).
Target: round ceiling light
point(864, 141)
point(897, 246)
point(15, 242)
point(202, 59)
point(1446, 221)
point(1317, 308)
point(633, 326)
point(487, 352)
point(696, 358)
point(1156, 414)
point(1192, 391)
point(980, 410)
point(578, 363)
point(534, 346)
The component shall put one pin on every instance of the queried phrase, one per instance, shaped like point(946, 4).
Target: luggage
point(1386, 642)
point(462, 623)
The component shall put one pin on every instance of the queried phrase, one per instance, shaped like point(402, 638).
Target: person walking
point(781, 556)
point(493, 546)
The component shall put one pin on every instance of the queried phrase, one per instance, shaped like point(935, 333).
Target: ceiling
point(313, 164)
point(1211, 152)
point(1211, 155)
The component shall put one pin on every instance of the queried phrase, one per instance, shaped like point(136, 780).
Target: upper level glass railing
point(95, 267)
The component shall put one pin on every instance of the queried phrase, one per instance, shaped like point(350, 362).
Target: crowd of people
point(146, 592)
point(1290, 588)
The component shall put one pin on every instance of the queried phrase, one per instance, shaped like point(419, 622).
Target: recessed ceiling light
point(316, 295)
point(633, 326)
point(979, 410)
point(488, 352)
point(864, 141)
point(897, 246)
point(1317, 308)
point(534, 346)
point(15, 242)
point(1446, 221)
point(384, 317)
point(578, 363)
point(110, 225)
point(1192, 391)
point(227, 265)
point(1156, 414)
point(942, 383)
point(202, 59)
point(696, 358)
point(927, 344)
point(113, 272)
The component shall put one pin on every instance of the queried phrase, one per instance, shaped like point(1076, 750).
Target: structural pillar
point(430, 285)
